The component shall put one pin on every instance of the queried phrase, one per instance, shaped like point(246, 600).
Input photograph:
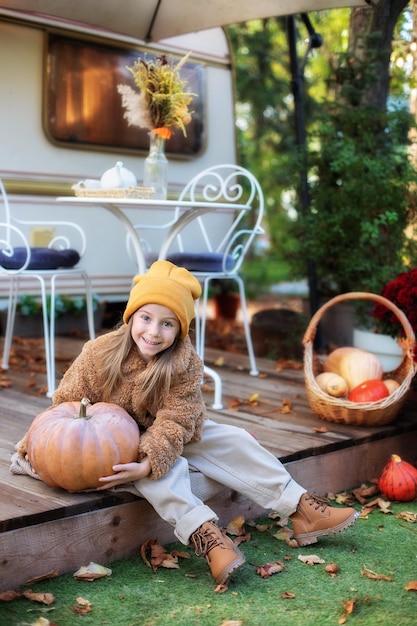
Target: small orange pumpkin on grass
point(398, 480)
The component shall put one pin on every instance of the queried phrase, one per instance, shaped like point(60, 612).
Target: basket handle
point(310, 333)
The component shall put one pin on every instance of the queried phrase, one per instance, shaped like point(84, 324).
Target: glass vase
point(156, 168)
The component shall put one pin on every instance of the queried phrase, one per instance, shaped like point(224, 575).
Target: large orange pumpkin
point(70, 446)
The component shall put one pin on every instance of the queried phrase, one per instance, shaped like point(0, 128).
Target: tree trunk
point(371, 33)
point(413, 90)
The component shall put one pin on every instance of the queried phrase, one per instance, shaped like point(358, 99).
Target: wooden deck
point(46, 531)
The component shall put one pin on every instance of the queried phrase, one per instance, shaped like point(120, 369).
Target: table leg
point(184, 219)
point(140, 257)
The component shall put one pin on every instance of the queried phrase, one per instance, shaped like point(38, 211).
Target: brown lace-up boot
point(220, 552)
point(315, 518)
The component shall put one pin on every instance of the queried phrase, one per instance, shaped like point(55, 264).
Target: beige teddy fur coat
point(179, 418)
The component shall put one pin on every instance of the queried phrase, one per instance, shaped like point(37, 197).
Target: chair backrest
point(225, 183)
point(66, 246)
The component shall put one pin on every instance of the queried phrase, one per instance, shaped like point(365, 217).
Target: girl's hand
point(126, 473)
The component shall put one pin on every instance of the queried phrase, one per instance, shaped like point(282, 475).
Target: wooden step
point(45, 530)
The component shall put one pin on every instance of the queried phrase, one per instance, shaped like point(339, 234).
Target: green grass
point(136, 596)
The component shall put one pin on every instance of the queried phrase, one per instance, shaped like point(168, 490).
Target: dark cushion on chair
point(196, 262)
point(40, 259)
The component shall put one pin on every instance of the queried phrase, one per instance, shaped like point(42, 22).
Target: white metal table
point(189, 211)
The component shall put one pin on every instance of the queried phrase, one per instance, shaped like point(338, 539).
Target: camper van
point(62, 121)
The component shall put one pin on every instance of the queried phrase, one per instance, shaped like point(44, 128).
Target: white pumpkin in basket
point(354, 365)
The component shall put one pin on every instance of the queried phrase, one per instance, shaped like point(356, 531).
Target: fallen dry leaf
point(374, 576)
point(409, 517)
point(41, 621)
point(236, 526)
point(231, 622)
point(412, 586)
point(181, 555)
point(348, 606)
point(310, 559)
point(286, 407)
point(154, 555)
point(287, 595)
point(42, 598)
point(82, 607)
point(221, 588)
point(413, 530)
point(287, 364)
point(51, 574)
point(160, 557)
point(320, 429)
point(91, 572)
point(169, 562)
point(267, 570)
point(286, 534)
point(344, 498)
point(234, 404)
point(242, 538)
point(384, 505)
point(378, 503)
point(332, 569)
point(9, 596)
point(364, 492)
point(144, 549)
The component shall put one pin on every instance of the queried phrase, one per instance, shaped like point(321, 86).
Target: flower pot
point(226, 305)
point(277, 333)
point(383, 346)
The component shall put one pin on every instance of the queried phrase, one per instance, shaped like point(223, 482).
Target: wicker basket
point(138, 193)
point(359, 413)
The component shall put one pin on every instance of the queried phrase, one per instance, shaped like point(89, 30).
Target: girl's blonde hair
point(157, 375)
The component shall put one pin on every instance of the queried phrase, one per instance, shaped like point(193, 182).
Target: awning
point(153, 20)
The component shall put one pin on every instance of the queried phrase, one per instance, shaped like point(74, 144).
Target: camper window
point(84, 108)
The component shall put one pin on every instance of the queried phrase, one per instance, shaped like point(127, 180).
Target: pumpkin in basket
point(356, 361)
point(70, 446)
point(354, 365)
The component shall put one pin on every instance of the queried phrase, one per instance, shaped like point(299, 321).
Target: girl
point(150, 368)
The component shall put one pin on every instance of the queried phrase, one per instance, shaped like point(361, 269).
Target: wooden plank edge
point(101, 536)
point(114, 533)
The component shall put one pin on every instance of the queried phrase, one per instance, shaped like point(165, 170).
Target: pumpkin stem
point(396, 458)
point(83, 407)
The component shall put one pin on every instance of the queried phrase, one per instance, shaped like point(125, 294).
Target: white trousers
point(232, 457)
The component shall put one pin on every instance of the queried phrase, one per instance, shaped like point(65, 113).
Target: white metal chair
point(46, 265)
point(218, 254)
point(212, 253)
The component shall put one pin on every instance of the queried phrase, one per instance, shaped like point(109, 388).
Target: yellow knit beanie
point(168, 285)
